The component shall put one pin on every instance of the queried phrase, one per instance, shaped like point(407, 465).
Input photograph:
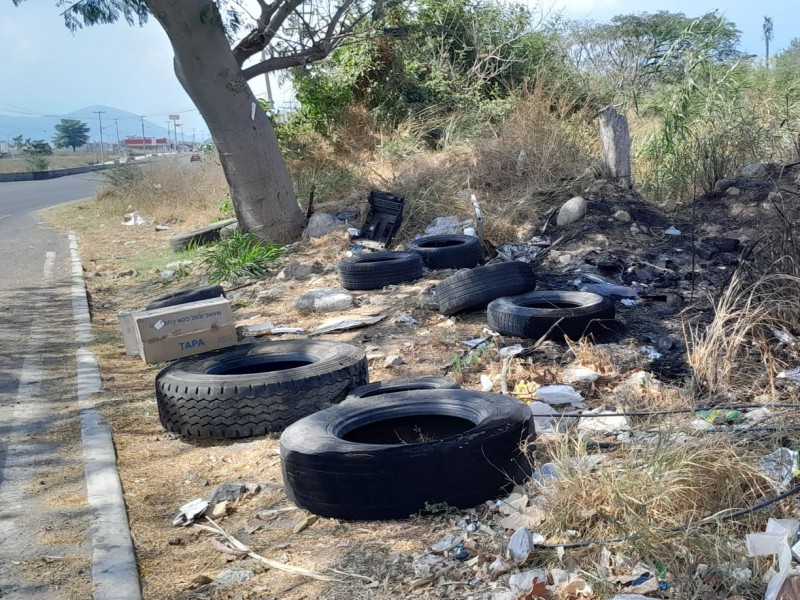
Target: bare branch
point(277, 63)
point(269, 22)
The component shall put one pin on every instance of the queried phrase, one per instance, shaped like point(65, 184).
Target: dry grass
point(59, 160)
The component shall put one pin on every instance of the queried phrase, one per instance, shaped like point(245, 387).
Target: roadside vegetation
point(464, 97)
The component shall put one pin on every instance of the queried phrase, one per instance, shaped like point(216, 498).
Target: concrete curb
point(114, 571)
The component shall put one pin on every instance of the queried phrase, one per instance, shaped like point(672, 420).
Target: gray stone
point(393, 360)
point(323, 300)
point(520, 545)
point(321, 224)
point(722, 185)
point(754, 171)
point(296, 270)
point(623, 215)
point(572, 210)
point(230, 577)
point(733, 191)
point(226, 492)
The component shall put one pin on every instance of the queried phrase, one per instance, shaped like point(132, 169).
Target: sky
point(47, 70)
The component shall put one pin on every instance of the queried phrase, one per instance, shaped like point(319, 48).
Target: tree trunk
point(261, 189)
point(615, 144)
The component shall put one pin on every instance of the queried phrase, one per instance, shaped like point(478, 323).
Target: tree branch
point(277, 63)
point(269, 22)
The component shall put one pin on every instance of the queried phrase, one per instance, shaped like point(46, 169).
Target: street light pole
point(143, 146)
point(99, 114)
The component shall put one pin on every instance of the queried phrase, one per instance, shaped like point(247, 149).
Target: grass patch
point(239, 256)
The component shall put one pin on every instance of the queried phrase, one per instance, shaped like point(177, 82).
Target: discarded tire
point(255, 389)
point(205, 292)
point(199, 237)
point(394, 455)
point(475, 288)
point(448, 251)
point(374, 271)
point(402, 385)
point(532, 315)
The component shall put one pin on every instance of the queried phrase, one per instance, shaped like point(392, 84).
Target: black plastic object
point(186, 295)
point(472, 289)
point(570, 314)
point(383, 218)
point(394, 455)
point(254, 389)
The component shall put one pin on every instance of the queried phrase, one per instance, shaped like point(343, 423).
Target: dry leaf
point(538, 591)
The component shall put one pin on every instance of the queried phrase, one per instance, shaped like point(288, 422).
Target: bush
point(240, 255)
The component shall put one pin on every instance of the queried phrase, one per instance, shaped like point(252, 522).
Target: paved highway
point(18, 197)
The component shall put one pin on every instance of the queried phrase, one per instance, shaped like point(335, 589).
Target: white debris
point(603, 424)
point(651, 352)
point(628, 302)
point(447, 543)
point(547, 420)
point(406, 320)
point(579, 376)
point(393, 360)
point(520, 545)
point(511, 350)
point(486, 383)
point(792, 374)
point(134, 218)
point(774, 541)
point(779, 467)
point(523, 582)
point(673, 231)
point(422, 564)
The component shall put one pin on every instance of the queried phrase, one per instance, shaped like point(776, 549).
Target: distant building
point(147, 144)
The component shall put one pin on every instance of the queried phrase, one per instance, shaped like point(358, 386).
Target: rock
point(669, 205)
point(523, 582)
point(665, 343)
point(622, 216)
point(733, 191)
point(520, 545)
point(227, 492)
point(705, 251)
point(571, 211)
point(178, 264)
point(754, 171)
point(323, 300)
point(219, 510)
point(230, 577)
point(558, 394)
point(723, 184)
point(162, 227)
point(321, 224)
point(167, 274)
point(296, 270)
point(579, 376)
point(393, 360)
point(565, 259)
point(126, 273)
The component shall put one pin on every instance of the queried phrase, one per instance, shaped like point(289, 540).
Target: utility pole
point(119, 144)
point(266, 76)
point(169, 136)
point(99, 114)
point(193, 128)
point(143, 147)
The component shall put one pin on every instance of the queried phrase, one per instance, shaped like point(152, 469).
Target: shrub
point(240, 255)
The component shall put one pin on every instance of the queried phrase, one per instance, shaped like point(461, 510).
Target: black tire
point(257, 388)
point(199, 237)
point(532, 315)
point(184, 296)
point(374, 271)
point(475, 288)
point(401, 385)
point(341, 463)
point(448, 251)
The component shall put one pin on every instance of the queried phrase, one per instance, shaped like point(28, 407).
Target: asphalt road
point(19, 197)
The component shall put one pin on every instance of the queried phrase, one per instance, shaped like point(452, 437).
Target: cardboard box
point(178, 331)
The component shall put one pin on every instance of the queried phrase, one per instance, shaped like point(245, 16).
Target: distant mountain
point(128, 123)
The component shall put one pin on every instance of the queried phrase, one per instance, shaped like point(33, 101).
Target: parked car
point(195, 158)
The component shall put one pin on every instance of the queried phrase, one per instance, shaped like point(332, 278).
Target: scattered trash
point(545, 472)
point(323, 300)
point(603, 424)
point(628, 302)
point(321, 224)
point(652, 353)
point(718, 416)
point(347, 215)
point(406, 320)
point(774, 541)
point(780, 468)
point(162, 227)
point(393, 360)
point(547, 420)
point(461, 554)
point(475, 343)
point(447, 543)
point(346, 324)
point(792, 374)
point(268, 329)
point(521, 158)
point(784, 336)
point(523, 582)
point(673, 231)
point(486, 383)
point(559, 394)
point(422, 565)
point(473, 527)
point(447, 225)
point(610, 290)
point(579, 376)
point(525, 252)
point(189, 512)
point(133, 219)
point(511, 350)
point(167, 274)
point(520, 545)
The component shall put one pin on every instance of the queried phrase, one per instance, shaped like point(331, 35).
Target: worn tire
point(531, 315)
point(338, 463)
point(374, 271)
point(401, 385)
point(199, 237)
point(186, 295)
point(206, 397)
point(448, 251)
point(475, 288)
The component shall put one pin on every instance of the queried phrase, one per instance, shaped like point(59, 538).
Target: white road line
point(4, 217)
point(114, 572)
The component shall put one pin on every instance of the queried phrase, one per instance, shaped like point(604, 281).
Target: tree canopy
point(71, 133)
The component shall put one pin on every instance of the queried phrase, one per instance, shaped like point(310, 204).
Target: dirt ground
point(622, 238)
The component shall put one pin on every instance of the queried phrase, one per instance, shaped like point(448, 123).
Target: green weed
point(240, 255)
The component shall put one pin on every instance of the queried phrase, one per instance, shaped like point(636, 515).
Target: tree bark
point(261, 189)
point(615, 144)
